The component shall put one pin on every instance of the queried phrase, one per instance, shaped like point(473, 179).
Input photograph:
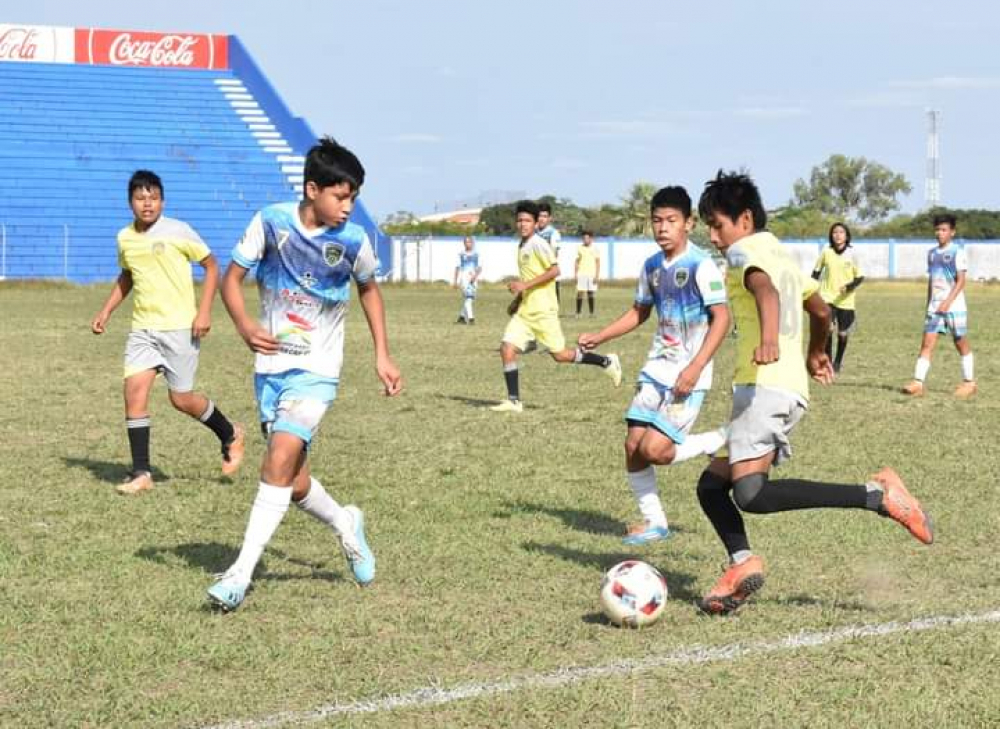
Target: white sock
point(320, 505)
point(967, 367)
point(643, 485)
point(268, 510)
point(700, 444)
point(469, 314)
point(923, 365)
point(740, 557)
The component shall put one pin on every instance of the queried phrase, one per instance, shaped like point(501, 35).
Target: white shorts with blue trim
point(294, 401)
point(654, 405)
point(955, 323)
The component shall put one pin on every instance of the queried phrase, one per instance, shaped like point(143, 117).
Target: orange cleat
point(914, 388)
point(232, 452)
point(900, 505)
point(136, 483)
point(966, 390)
point(735, 587)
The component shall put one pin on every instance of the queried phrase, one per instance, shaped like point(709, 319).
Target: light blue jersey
point(304, 279)
point(943, 267)
point(468, 267)
point(681, 291)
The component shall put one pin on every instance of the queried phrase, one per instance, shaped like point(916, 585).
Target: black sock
point(218, 423)
point(558, 297)
point(138, 443)
point(841, 348)
point(510, 375)
point(713, 495)
point(590, 301)
point(591, 358)
point(579, 303)
point(757, 494)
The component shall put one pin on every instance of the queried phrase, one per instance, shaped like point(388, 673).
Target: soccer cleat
point(232, 452)
point(136, 483)
point(460, 320)
point(614, 369)
point(508, 406)
point(900, 505)
point(359, 554)
point(914, 388)
point(228, 593)
point(472, 322)
point(735, 587)
point(646, 532)
point(966, 390)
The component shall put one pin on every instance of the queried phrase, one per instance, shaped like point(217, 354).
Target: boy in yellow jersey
point(767, 292)
point(155, 255)
point(838, 275)
point(535, 311)
point(588, 269)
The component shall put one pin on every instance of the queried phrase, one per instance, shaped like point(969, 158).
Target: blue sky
point(445, 100)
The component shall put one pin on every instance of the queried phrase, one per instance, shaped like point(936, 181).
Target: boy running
point(838, 275)
point(550, 235)
point(946, 309)
point(770, 394)
point(306, 255)
point(155, 254)
point(467, 277)
point(685, 287)
point(588, 270)
point(535, 311)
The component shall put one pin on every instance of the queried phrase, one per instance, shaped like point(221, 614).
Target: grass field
point(491, 531)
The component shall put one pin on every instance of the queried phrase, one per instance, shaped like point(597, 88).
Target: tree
point(795, 222)
point(633, 217)
point(851, 188)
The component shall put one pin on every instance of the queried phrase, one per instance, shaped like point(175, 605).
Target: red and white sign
point(162, 50)
point(36, 44)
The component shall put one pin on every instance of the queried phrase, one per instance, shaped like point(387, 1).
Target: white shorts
point(586, 283)
point(173, 353)
point(654, 405)
point(761, 421)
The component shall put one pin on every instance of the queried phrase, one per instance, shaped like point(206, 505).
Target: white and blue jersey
point(468, 266)
point(304, 280)
point(943, 267)
point(681, 291)
point(551, 236)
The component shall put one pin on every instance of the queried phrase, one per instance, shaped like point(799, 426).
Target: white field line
point(435, 695)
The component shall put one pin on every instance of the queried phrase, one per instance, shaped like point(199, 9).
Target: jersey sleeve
point(821, 261)
point(250, 249)
point(366, 263)
point(855, 267)
point(121, 255)
point(741, 258)
point(194, 247)
point(543, 251)
point(643, 292)
point(710, 284)
point(961, 261)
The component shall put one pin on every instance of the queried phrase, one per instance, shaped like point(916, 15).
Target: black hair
point(945, 219)
point(144, 180)
point(544, 207)
point(586, 232)
point(329, 163)
point(527, 206)
point(847, 232)
point(675, 197)
point(732, 193)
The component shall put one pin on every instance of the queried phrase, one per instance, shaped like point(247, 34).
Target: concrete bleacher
point(71, 135)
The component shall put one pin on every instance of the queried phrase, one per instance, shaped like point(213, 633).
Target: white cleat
point(614, 369)
point(508, 406)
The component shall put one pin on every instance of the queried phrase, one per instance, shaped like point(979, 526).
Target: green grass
point(491, 532)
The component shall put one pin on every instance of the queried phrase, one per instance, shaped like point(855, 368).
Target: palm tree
point(633, 218)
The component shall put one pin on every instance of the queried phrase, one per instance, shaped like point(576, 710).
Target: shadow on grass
point(870, 386)
point(477, 402)
point(679, 584)
point(213, 558)
point(584, 520)
point(111, 472)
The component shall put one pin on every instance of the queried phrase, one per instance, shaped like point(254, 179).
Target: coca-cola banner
point(36, 44)
point(138, 48)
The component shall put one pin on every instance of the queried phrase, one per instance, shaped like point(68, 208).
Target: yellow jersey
point(764, 251)
point(535, 257)
point(836, 271)
point(160, 263)
point(586, 260)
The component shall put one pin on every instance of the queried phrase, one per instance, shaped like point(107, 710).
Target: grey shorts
point(174, 353)
point(761, 421)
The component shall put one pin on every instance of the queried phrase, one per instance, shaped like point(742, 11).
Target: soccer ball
point(633, 594)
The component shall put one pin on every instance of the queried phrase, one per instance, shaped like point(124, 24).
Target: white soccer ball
point(633, 594)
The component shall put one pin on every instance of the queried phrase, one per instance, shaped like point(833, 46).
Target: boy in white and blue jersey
point(550, 234)
point(686, 289)
point(306, 254)
point(467, 278)
point(946, 308)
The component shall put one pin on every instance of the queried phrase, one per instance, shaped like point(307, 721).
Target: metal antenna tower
point(932, 189)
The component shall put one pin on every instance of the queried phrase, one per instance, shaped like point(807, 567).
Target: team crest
point(681, 276)
point(158, 248)
point(333, 253)
point(946, 258)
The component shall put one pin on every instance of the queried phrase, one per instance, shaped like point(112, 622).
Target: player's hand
point(819, 367)
point(97, 325)
point(259, 340)
point(516, 287)
point(686, 380)
point(201, 326)
point(514, 305)
point(588, 341)
point(765, 353)
point(389, 374)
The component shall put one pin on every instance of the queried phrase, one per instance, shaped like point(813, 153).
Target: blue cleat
point(359, 554)
point(228, 592)
point(646, 533)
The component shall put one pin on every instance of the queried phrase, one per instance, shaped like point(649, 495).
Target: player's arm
point(597, 268)
point(817, 361)
point(550, 274)
point(759, 284)
point(576, 266)
point(455, 282)
point(624, 324)
point(718, 328)
point(371, 301)
point(477, 273)
point(203, 319)
point(956, 289)
point(118, 294)
point(257, 337)
point(818, 268)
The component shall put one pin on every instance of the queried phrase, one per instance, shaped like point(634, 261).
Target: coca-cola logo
point(168, 50)
point(18, 44)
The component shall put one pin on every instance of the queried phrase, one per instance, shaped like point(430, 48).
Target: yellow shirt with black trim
point(836, 271)
point(765, 252)
point(159, 260)
point(586, 261)
point(535, 257)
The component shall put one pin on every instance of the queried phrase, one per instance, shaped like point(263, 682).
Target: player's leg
point(590, 301)
point(579, 302)
point(470, 299)
point(515, 338)
point(932, 324)
point(136, 390)
point(967, 388)
point(641, 477)
point(845, 325)
point(550, 335)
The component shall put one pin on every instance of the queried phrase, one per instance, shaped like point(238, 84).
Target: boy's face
point(839, 236)
point(468, 245)
point(671, 229)
point(944, 233)
point(543, 219)
point(724, 231)
point(587, 240)
point(332, 204)
point(147, 205)
point(525, 225)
